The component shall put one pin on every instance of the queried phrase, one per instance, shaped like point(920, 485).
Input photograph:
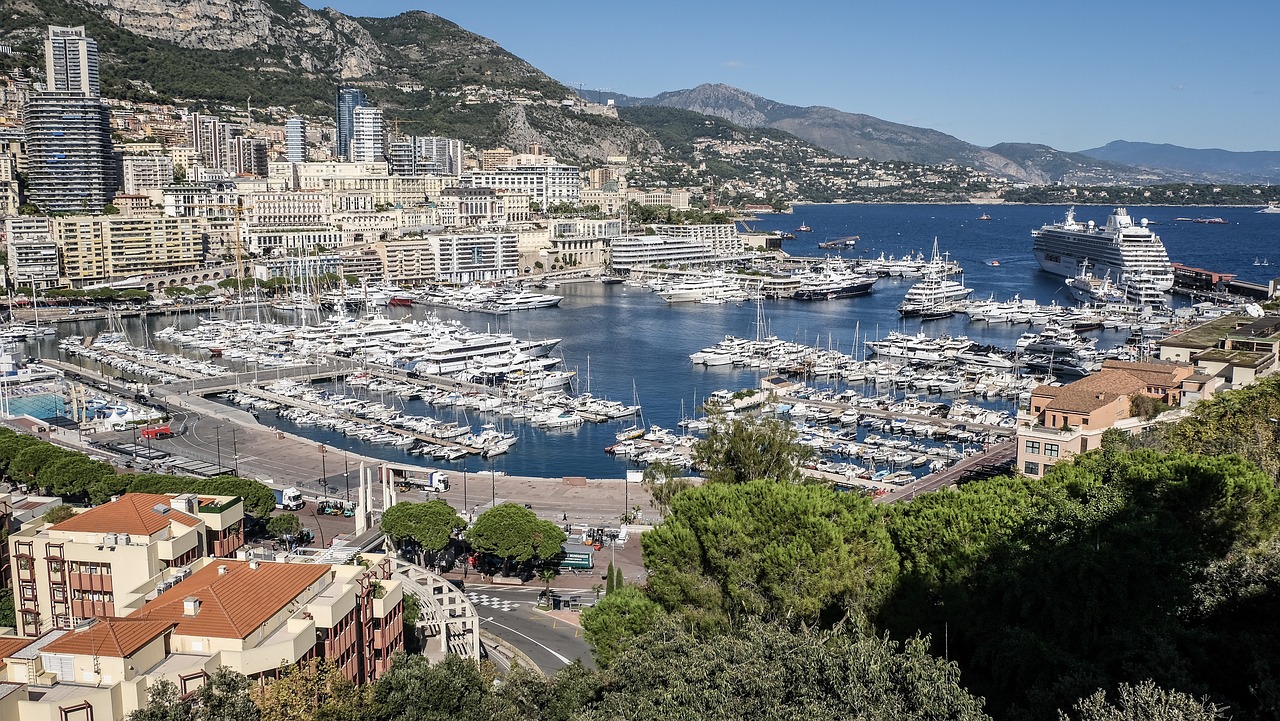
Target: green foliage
point(1236, 421)
point(176, 291)
point(746, 449)
point(429, 525)
point(1142, 406)
point(664, 481)
point(285, 524)
point(781, 552)
point(760, 671)
point(58, 513)
point(305, 691)
point(7, 615)
point(616, 620)
point(259, 501)
point(609, 586)
point(1144, 702)
point(514, 533)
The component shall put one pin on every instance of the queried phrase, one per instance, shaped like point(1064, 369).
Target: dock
point(994, 460)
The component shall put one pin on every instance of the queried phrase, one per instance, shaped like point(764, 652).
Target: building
point(34, 260)
point(71, 62)
point(301, 270)
point(107, 248)
point(246, 156)
point(647, 250)
point(426, 155)
point(495, 158)
point(545, 185)
point(143, 173)
point(70, 166)
point(478, 257)
point(368, 140)
point(348, 100)
point(1064, 421)
point(211, 138)
point(1236, 349)
point(722, 239)
point(295, 140)
point(108, 559)
point(253, 617)
point(9, 199)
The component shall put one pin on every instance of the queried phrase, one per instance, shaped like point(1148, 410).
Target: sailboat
point(984, 216)
point(636, 429)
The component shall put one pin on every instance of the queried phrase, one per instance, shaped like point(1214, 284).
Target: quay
point(994, 460)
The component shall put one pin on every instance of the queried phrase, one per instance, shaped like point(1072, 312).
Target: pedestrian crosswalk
point(480, 599)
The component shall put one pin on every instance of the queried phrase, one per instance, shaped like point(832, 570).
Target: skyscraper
point(367, 140)
point(295, 140)
point(70, 167)
point(348, 100)
point(71, 62)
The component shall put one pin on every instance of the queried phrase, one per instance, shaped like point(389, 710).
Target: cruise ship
point(1119, 248)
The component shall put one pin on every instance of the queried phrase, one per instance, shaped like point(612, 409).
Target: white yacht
point(1118, 248)
point(694, 290)
point(1087, 288)
point(932, 292)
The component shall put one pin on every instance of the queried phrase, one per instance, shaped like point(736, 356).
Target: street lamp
point(323, 475)
point(235, 454)
point(346, 477)
point(217, 430)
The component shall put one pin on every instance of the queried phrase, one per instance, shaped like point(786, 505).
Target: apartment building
point(250, 616)
point(647, 250)
point(70, 166)
point(101, 249)
point(145, 173)
point(34, 259)
point(545, 185)
point(476, 257)
point(1064, 421)
point(9, 198)
point(721, 239)
point(108, 559)
point(1235, 348)
point(295, 140)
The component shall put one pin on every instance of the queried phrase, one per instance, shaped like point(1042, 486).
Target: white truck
point(287, 499)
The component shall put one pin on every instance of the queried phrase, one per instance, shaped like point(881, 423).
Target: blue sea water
point(626, 342)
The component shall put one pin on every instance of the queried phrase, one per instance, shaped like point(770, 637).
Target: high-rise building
point(71, 62)
point(368, 143)
point(348, 100)
point(295, 140)
point(420, 155)
point(70, 166)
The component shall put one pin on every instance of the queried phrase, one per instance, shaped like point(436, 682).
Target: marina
point(647, 351)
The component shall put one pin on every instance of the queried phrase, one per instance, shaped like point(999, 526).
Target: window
point(1051, 450)
point(1031, 468)
point(1033, 446)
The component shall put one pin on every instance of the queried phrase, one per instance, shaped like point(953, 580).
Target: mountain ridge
point(1212, 164)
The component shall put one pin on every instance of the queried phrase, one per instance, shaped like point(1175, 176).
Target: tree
point(547, 575)
point(225, 697)
point(259, 501)
point(426, 527)
point(782, 552)
point(285, 524)
point(164, 703)
point(514, 534)
point(761, 671)
point(616, 620)
point(664, 481)
point(174, 291)
point(8, 616)
point(307, 691)
point(1144, 702)
point(609, 586)
point(744, 449)
point(58, 514)
point(203, 290)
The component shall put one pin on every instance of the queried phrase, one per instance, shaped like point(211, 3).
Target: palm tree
point(547, 575)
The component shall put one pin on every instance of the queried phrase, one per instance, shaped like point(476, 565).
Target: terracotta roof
point(236, 603)
point(1156, 374)
point(10, 645)
point(110, 636)
point(1095, 391)
point(132, 513)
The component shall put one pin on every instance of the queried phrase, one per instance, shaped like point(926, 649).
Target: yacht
point(1088, 289)
point(1118, 248)
point(1142, 289)
point(832, 280)
point(1272, 207)
point(930, 293)
point(524, 300)
point(694, 290)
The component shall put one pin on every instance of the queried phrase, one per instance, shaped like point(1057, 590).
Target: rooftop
point(1091, 392)
point(233, 603)
point(110, 636)
point(134, 513)
point(1206, 335)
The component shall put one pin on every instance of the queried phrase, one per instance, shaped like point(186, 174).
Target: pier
point(994, 460)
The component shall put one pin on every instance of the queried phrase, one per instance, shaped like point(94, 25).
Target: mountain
point(1210, 164)
point(863, 136)
point(424, 71)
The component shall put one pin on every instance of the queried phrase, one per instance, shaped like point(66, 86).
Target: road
point(511, 613)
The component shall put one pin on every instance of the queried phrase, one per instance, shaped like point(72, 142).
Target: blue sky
point(1072, 76)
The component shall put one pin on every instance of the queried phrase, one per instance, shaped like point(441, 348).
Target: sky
point(1069, 75)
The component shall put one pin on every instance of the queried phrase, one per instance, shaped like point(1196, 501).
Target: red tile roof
point(236, 603)
point(110, 636)
point(10, 645)
point(132, 513)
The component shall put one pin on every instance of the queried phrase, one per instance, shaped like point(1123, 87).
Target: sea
point(625, 343)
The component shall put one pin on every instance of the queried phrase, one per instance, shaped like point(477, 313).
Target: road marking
point(541, 645)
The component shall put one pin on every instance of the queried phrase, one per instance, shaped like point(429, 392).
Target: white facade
point(295, 140)
point(71, 62)
point(476, 257)
point(143, 173)
point(368, 143)
point(643, 250)
point(33, 252)
point(545, 185)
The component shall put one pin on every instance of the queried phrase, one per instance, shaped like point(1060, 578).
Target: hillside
point(1209, 164)
point(863, 136)
point(422, 69)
